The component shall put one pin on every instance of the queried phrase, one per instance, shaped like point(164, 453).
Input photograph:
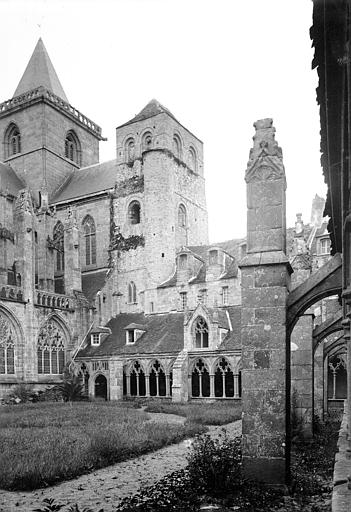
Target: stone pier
point(265, 276)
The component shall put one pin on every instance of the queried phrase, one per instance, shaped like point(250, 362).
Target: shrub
point(214, 464)
point(71, 388)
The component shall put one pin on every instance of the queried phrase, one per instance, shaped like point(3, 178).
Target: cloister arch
point(100, 387)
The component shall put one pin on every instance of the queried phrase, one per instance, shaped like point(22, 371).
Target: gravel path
point(104, 488)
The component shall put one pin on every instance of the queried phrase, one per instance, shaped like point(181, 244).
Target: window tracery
point(201, 333)
point(90, 240)
point(51, 348)
point(58, 239)
point(7, 346)
point(72, 147)
point(200, 380)
point(12, 141)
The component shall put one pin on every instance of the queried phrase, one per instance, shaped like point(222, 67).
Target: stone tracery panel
point(51, 348)
point(8, 341)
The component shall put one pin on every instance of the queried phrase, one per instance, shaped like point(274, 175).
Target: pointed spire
point(40, 72)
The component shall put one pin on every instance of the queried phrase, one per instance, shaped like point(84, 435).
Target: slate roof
point(86, 181)
point(40, 72)
point(232, 247)
point(9, 181)
point(233, 339)
point(164, 334)
point(153, 108)
point(92, 283)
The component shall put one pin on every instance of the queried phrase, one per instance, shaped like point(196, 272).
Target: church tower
point(42, 136)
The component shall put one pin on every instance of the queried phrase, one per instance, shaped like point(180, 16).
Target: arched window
point(137, 380)
point(134, 211)
point(132, 293)
point(90, 240)
point(146, 142)
point(157, 380)
point(59, 246)
point(8, 340)
point(177, 146)
point(182, 217)
point(130, 150)
point(72, 147)
point(192, 159)
point(200, 380)
point(226, 386)
point(201, 333)
point(51, 348)
point(12, 141)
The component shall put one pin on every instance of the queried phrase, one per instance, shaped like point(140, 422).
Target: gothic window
point(72, 147)
point(182, 220)
point(7, 346)
point(130, 150)
point(200, 380)
point(201, 333)
point(58, 237)
point(12, 141)
point(146, 142)
point(90, 240)
point(137, 380)
point(226, 384)
point(132, 293)
point(134, 212)
point(225, 290)
point(183, 300)
point(213, 257)
point(192, 159)
point(183, 259)
point(51, 348)
point(177, 146)
point(157, 380)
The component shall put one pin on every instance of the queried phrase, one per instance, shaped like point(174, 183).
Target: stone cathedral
point(106, 267)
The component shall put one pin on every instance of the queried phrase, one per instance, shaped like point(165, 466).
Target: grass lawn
point(43, 443)
point(215, 413)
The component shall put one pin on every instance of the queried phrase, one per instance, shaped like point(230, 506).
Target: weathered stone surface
point(265, 240)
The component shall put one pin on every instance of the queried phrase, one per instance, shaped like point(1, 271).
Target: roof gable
point(9, 181)
point(40, 72)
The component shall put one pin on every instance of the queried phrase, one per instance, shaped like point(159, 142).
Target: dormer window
point(183, 261)
point(130, 334)
point(95, 339)
point(201, 333)
point(324, 246)
point(213, 257)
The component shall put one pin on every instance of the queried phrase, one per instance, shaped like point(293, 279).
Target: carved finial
point(24, 202)
point(266, 157)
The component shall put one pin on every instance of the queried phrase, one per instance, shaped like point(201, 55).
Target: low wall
point(341, 499)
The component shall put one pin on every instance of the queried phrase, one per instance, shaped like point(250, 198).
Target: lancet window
point(132, 293)
point(177, 146)
point(51, 348)
point(7, 346)
point(201, 333)
point(58, 237)
point(90, 240)
point(72, 147)
point(12, 141)
point(134, 212)
point(182, 217)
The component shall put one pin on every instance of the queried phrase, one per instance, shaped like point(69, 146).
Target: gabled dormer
point(134, 332)
point(97, 335)
point(205, 329)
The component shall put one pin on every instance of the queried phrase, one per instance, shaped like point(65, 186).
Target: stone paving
point(106, 487)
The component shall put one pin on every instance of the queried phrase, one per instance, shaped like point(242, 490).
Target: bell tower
point(42, 136)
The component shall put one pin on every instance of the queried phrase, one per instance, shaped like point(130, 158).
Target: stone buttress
point(265, 273)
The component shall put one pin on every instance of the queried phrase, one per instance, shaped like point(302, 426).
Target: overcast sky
point(217, 65)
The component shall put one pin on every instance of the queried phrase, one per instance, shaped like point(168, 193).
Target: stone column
point(147, 385)
point(302, 372)
point(265, 275)
point(116, 380)
point(318, 381)
point(73, 276)
point(212, 385)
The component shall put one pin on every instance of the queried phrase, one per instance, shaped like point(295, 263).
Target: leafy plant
point(214, 464)
point(49, 505)
point(71, 388)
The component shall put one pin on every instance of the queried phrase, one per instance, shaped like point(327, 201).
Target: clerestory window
point(89, 231)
